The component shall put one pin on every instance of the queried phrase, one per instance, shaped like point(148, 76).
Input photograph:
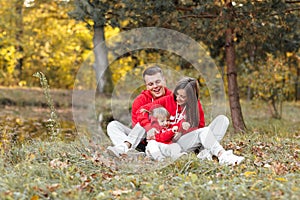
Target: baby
point(161, 145)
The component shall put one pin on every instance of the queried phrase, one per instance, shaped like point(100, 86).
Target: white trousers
point(159, 151)
point(119, 133)
point(209, 137)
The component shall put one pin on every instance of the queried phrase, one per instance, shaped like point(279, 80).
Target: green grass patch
point(60, 170)
point(71, 167)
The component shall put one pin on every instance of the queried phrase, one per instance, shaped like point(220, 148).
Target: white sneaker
point(204, 154)
point(228, 158)
point(117, 150)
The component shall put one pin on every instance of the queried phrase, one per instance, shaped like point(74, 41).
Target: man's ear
point(164, 81)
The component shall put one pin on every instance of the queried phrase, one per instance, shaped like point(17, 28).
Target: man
point(125, 138)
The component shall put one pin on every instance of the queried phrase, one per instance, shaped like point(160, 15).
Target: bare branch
point(184, 8)
point(287, 1)
point(286, 10)
point(199, 16)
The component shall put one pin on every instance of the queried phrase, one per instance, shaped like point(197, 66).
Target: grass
point(74, 168)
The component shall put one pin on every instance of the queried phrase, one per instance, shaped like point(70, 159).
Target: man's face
point(155, 84)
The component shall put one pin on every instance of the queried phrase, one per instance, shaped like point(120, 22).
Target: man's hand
point(186, 125)
point(144, 111)
point(151, 134)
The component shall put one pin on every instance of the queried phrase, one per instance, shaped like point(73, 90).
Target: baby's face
point(163, 121)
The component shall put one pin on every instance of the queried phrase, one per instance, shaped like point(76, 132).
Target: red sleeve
point(201, 116)
point(136, 105)
point(164, 137)
point(181, 130)
point(143, 119)
point(201, 121)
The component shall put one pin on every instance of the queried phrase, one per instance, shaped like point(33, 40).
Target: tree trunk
point(19, 33)
point(297, 84)
point(233, 90)
point(103, 75)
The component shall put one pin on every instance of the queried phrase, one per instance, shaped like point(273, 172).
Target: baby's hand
point(151, 134)
point(186, 125)
point(176, 137)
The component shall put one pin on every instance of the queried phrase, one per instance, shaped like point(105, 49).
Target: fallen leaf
point(249, 173)
point(267, 165)
point(279, 168)
point(145, 198)
point(56, 163)
point(34, 197)
point(53, 187)
point(281, 179)
point(161, 187)
point(119, 192)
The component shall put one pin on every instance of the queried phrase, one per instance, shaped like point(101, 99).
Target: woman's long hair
point(191, 88)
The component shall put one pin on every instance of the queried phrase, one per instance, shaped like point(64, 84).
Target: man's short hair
point(152, 71)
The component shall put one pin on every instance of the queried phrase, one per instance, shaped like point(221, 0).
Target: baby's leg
point(172, 150)
point(153, 150)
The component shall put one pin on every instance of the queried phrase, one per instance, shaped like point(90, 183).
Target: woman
point(184, 104)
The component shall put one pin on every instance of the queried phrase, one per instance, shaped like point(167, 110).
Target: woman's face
point(181, 97)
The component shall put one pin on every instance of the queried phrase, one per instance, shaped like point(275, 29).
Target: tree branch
point(287, 1)
point(184, 8)
point(292, 9)
point(287, 10)
point(199, 16)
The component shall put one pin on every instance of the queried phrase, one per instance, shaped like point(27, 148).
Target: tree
point(11, 28)
point(19, 25)
point(48, 41)
point(297, 80)
point(98, 14)
point(178, 13)
point(233, 90)
point(272, 83)
point(234, 33)
point(56, 44)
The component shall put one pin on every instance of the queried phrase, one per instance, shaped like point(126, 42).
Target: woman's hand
point(186, 125)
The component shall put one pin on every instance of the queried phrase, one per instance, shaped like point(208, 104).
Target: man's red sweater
point(142, 99)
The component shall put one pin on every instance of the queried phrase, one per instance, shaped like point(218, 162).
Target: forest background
point(254, 44)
